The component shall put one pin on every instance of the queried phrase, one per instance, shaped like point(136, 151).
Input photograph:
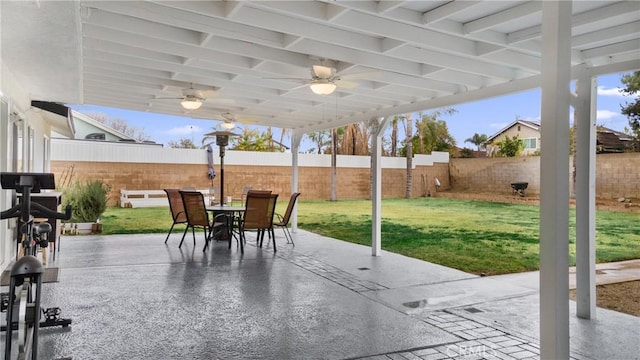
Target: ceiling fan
point(192, 98)
point(324, 79)
point(229, 121)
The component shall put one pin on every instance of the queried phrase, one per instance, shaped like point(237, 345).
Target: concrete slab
point(390, 270)
point(612, 335)
point(418, 299)
point(133, 297)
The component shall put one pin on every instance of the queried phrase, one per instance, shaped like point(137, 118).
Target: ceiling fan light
point(323, 88)
point(191, 104)
point(227, 126)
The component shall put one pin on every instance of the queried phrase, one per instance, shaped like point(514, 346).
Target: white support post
point(554, 180)
point(377, 127)
point(296, 138)
point(585, 108)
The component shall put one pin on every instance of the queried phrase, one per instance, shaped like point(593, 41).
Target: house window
point(530, 143)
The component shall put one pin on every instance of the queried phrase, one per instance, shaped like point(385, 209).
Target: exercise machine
point(22, 302)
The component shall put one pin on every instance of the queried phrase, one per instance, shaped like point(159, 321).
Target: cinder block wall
point(617, 175)
point(313, 182)
point(495, 175)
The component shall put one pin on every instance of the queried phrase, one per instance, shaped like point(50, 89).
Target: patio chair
point(177, 209)
point(238, 220)
point(260, 209)
point(197, 216)
point(243, 196)
point(283, 220)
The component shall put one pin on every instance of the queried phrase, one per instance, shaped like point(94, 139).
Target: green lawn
point(473, 236)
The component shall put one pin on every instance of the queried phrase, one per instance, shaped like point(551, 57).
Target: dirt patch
point(623, 297)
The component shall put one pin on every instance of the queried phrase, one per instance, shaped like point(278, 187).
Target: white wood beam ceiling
point(417, 54)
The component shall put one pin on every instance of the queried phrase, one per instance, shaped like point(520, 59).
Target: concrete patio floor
point(133, 297)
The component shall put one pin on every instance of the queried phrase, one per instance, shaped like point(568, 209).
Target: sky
point(482, 117)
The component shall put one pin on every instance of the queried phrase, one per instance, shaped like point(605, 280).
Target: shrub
point(511, 147)
point(88, 199)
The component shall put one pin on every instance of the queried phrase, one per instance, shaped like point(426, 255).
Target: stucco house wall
point(522, 129)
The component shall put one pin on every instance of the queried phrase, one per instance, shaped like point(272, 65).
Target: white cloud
point(606, 115)
point(609, 91)
point(184, 130)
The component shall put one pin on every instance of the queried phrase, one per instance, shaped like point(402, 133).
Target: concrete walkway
point(133, 297)
point(607, 273)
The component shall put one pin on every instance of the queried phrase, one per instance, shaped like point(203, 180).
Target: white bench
point(147, 198)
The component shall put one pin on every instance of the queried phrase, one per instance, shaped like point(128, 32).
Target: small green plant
point(88, 200)
point(511, 147)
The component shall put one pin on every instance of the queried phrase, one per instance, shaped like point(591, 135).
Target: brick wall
point(617, 175)
point(313, 182)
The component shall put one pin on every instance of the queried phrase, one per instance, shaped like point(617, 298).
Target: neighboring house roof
point(532, 124)
point(609, 140)
point(100, 127)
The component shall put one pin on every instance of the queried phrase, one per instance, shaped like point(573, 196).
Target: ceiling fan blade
point(323, 72)
point(207, 93)
point(169, 98)
point(361, 75)
point(346, 84)
point(286, 78)
point(220, 101)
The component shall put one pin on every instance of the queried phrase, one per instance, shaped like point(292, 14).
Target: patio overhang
point(253, 59)
point(58, 116)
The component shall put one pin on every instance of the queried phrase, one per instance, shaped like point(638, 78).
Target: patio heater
point(222, 140)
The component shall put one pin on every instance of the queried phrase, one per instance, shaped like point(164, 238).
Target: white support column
point(377, 127)
point(585, 108)
point(296, 138)
point(554, 180)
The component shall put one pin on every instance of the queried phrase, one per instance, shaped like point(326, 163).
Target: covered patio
point(253, 59)
point(133, 297)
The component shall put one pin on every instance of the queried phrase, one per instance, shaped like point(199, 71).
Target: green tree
point(182, 143)
point(250, 140)
point(477, 140)
point(432, 135)
point(320, 139)
point(510, 147)
point(632, 109)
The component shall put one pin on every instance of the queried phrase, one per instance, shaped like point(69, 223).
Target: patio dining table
point(231, 212)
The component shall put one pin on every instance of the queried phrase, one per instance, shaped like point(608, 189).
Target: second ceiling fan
point(193, 98)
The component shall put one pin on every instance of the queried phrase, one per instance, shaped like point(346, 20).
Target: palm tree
point(477, 140)
point(319, 138)
point(394, 136)
point(408, 130)
point(334, 167)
